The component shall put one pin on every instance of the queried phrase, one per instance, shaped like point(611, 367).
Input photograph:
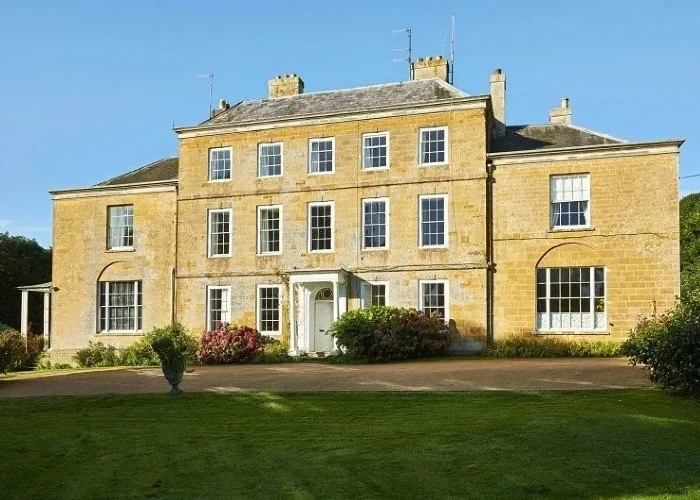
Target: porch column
point(293, 342)
point(336, 298)
point(47, 318)
point(24, 317)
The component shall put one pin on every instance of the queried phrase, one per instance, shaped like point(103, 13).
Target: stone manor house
point(284, 212)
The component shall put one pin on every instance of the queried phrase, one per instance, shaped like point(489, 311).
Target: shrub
point(35, 348)
point(520, 346)
point(669, 345)
point(273, 351)
point(172, 344)
point(229, 344)
point(388, 333)
point(97, 355)
point(13, 351)
point(139, 354)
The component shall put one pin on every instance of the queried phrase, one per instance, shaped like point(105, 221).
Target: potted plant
point(174, 347)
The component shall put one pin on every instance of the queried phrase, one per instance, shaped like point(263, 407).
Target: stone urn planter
point(173, 374)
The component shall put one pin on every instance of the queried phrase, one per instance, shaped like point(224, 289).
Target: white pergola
point(46, 289)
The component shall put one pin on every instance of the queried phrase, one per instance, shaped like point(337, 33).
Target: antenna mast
point(452, 51)
point(210, 76)
point(408, 50)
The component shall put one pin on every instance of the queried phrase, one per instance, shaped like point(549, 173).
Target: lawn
point(571, 445)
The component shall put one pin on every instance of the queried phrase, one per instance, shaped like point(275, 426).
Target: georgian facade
point(283, 213)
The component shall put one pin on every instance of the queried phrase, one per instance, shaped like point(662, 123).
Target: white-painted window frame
point(260, 210)
point(118, 248)
point(260, 150)
point(586, 177)
point(322, 139)
point(367, 292)
point(603, 329)
point(209, 164)
point(387, 223)
point(209, 289)
point(364, 147)
point(258, 309)
point(308, 225)
point(230, 233)
point(138, 309)
point(446, 284)
point(421, 163)
point(446, 199)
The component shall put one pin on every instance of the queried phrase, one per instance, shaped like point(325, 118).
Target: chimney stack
point(562, 114)
point(497, 90)
point(430, 67)
point(285, 85)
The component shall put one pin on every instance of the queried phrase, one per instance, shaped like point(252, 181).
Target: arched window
point(324, 294)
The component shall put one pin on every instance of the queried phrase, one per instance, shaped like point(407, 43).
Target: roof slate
point(547, 136)
point(161, 170)
point(339, 101)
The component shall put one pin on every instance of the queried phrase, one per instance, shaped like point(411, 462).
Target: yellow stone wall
point(634, 235)
point(463, 179)
point(81, 258)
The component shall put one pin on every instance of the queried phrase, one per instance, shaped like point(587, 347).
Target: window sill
point(219, 256)
point(121, 249)
point(571, 332)
point(435, 247)
point(314, 252)
point(375, 169)
point(376, 249)
point(121, 333)
point(321, 173)
point(217, 181)
point(441, 164)
point(268, 254)
point(571, 229)
point(261, 177)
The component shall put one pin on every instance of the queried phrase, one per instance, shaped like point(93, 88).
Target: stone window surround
point(260, 209)
point(332, 228)
point(364, 147)
point(422, 197)
point(259, 309)
point(446, 294)
point(384, 199)
point(421, 163)
point(224, 310)
point(211, 211)
point(209, 164)
point(261, 146)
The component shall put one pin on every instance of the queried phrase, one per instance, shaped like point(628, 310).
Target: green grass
point(569, 445)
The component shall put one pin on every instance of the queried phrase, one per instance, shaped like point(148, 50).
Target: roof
point(547, 136)
point(339, 101)
point(161, 170)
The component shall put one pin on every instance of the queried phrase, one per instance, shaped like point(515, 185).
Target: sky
point(92, 89)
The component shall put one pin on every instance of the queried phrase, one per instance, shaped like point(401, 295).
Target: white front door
point(323, 317)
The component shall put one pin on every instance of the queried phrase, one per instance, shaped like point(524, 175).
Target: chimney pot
point(565, 102)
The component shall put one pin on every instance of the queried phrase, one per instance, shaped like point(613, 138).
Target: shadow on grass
point(583, 445)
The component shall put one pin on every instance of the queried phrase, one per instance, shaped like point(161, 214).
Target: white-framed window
point(322, 155)
point(321, 226)
point(571, 299)
point(270, 159)
point(218, 306)
point(220, 164)
point(220, 229)
point(570, 203)
point(433, 221)
point(375, 151)
point(435, 297)
point(433, 146)
point(120, 306)
point(120, 220)
point(375, 293)
point(375, 223)
point(270, 309)
point(270, 229)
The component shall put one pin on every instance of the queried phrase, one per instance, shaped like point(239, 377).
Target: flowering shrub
point(229, 344)
point(387, 333)
point(13, 351)
point(97, 354)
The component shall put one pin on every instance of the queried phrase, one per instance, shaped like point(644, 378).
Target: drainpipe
point(491, 265)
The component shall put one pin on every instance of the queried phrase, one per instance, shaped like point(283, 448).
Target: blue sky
point(91, 89)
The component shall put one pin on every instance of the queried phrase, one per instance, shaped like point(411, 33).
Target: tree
point(22, 262)
point(690, 244)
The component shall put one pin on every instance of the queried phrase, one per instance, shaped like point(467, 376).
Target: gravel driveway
point(436, 375)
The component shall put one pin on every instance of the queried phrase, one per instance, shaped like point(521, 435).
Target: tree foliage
point(22, 262)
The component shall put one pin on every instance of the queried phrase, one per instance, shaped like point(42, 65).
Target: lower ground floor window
point(269, 309)
point(571, 299)
point(120, 306)
point(375, 294)
point(218, 306)
point(434, 297)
